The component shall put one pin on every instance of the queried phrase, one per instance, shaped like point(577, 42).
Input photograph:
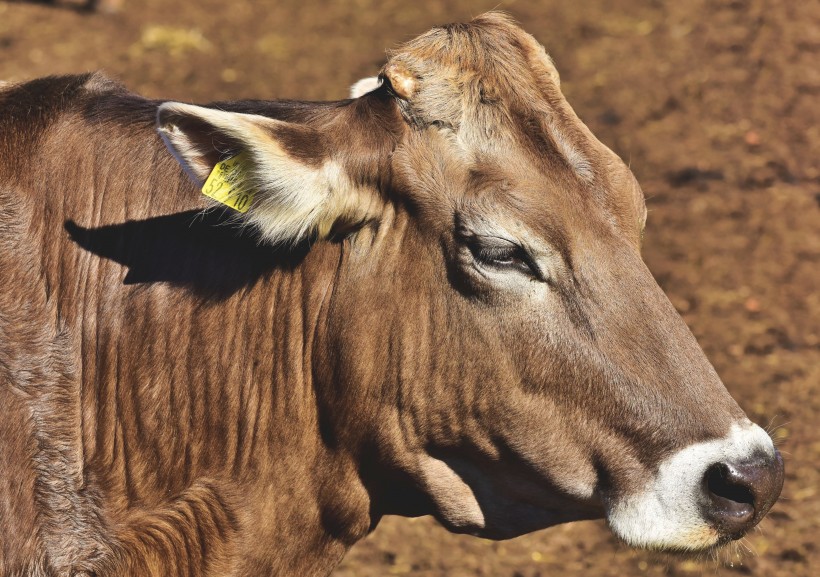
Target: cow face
point(493, 345)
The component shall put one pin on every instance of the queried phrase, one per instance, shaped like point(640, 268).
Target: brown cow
point(435, 304)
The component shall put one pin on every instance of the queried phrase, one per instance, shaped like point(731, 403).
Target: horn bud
point(402, 82)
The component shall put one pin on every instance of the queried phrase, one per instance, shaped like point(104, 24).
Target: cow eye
point(500, 255)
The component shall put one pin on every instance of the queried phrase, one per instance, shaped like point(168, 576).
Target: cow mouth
point(704, 496)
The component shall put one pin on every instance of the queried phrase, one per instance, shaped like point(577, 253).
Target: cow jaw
point(496, 501)
point(678, 509)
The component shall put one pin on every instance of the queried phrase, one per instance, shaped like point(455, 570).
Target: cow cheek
point(554, 444)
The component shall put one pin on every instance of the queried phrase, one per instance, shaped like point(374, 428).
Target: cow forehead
point(510, 186)
point(495, 88)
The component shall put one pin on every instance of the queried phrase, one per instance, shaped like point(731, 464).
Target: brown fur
point(180, 400)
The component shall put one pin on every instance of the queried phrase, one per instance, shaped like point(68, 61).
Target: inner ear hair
point(197, 144)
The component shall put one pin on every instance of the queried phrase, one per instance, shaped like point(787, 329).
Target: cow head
point(493, 346)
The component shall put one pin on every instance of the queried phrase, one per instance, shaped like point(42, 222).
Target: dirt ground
point(714, 103)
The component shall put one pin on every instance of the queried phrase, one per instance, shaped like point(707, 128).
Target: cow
point(425, 300)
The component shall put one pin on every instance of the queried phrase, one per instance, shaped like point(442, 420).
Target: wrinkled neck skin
point(245, 464)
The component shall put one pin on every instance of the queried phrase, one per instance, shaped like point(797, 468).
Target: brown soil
point(714, 103)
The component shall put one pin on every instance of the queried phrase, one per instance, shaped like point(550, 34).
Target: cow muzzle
point(704, 495)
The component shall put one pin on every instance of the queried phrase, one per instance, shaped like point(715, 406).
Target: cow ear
point(298, 190)
point(364, 86)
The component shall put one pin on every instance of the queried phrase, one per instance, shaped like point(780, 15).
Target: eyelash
point(503, 257)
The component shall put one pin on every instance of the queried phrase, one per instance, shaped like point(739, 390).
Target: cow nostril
point(730, 507)
point(721, 483)
point(739, 494)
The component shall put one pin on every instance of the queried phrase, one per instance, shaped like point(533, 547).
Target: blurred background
point(713, 103)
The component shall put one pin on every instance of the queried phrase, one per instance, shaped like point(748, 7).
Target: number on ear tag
point(228, 184)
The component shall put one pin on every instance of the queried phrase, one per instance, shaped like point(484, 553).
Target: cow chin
point(704, 495)
point(509, 519)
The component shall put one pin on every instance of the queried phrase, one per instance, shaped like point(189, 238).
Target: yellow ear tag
point(227, 183)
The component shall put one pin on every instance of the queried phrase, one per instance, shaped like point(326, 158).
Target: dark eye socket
point(507, 256)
